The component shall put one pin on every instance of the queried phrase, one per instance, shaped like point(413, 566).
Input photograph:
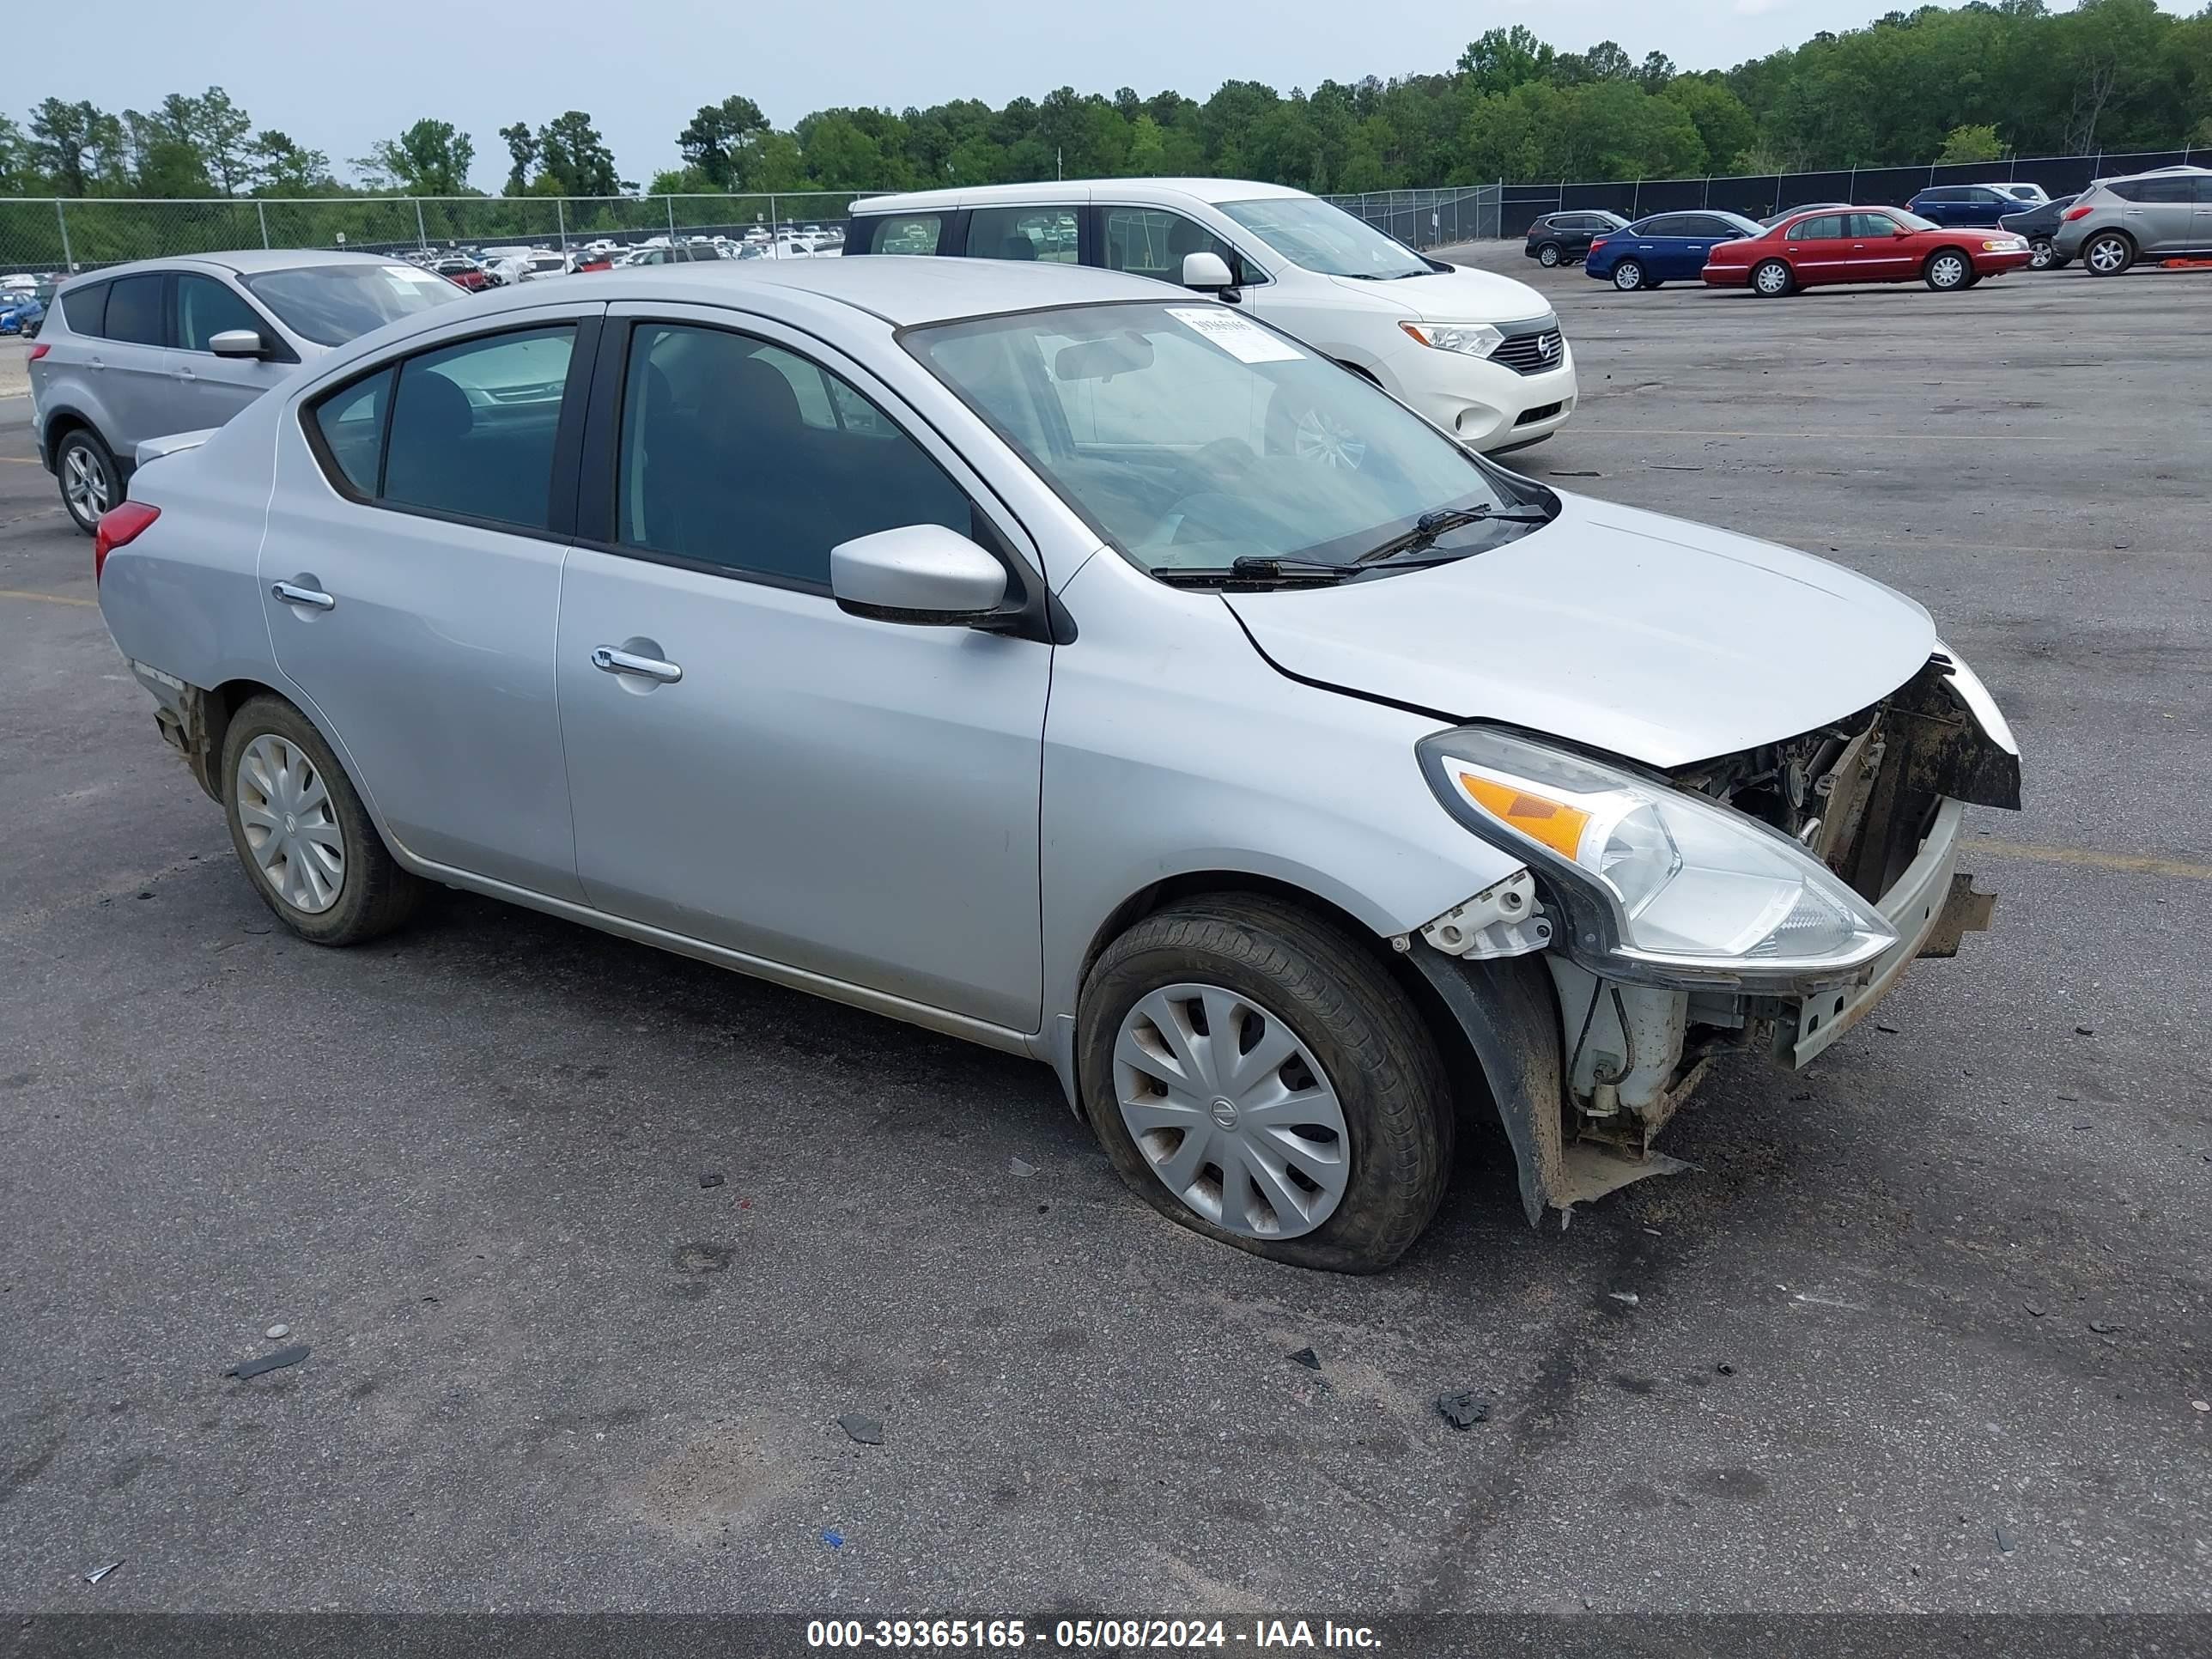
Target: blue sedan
point(20, 312)
point(1665, 247)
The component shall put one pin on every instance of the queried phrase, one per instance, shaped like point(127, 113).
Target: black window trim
point(103, 288)
point(561, 489)
point(164, 308)
point(1040, 615)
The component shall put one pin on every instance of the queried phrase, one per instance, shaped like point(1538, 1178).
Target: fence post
point(561, 218)
point(1636, 200)
point(670, 200)
point(771, 218)
point(422, 234)
point(1706, 200)
point(1852, 194)
point(262, 209)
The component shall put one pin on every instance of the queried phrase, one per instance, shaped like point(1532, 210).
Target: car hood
point(1644, 636)
point(1458, 296)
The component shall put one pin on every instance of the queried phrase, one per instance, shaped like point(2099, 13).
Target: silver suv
point(2150, 215)
point(167, 346)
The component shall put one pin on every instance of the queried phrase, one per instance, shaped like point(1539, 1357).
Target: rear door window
point(1046, 233)
point(134, 311)
point(1827, 227)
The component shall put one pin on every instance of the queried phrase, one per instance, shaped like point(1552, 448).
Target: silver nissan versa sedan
point(962, 640)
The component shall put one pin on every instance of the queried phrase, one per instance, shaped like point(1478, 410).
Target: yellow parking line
point(45, 598)
point(1589, 431)
point(2140, 864)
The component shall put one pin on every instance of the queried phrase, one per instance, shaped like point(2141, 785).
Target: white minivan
point(1478, 353)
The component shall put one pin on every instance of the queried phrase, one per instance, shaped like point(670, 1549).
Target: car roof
point(245, 262)
point(1073, 190)
point(901, 290)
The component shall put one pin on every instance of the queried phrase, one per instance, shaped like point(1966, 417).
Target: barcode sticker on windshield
point(1242, 340)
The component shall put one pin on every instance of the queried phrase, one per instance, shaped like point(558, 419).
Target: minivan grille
point(1532, 354)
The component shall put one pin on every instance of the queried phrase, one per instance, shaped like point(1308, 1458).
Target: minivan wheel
point(2108, 253)
point(1256, 1076)
point(1549, 255)
point(299, 828)
point(1948, 270)
point(1628, 275)
point(91, 482)
point(1773, 279)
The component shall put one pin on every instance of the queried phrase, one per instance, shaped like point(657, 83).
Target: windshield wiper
point(1260, 569)
point(1429, 525)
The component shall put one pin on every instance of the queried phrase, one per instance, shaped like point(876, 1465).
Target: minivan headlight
point(1668, 884)
point(1473, 339)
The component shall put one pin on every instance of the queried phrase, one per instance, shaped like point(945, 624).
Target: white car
point(1479, 354)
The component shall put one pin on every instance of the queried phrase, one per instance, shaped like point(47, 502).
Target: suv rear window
point(85, 310)
point(903, 233)
point(134, 311)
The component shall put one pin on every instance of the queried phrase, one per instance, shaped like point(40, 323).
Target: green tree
point(1501, 59)
point(1724, 126)
point(1979, 143)
point(840, 156)
point(431, 158)
point(74, 145)
point(282, 167)
point(523, 149)
point(574, 160)
point(223, 134)
point(721, 140)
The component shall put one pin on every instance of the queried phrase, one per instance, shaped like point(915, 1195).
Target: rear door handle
point(314, 599)
point(608, 660)
point(100, 362)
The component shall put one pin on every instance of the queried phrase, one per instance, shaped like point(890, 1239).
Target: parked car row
point(1952, 237)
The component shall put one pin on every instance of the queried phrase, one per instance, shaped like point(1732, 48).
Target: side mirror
point(238, 343)
point(1208, 273)
point(923, 573)
point(1900, 230)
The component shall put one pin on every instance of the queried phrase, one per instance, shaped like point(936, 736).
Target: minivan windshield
point(333, 304)
point(1309, 232)
point(1190, 437)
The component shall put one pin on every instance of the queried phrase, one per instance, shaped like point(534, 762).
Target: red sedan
point(1862, 245)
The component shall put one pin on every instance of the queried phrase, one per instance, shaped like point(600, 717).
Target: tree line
point(1975, 83)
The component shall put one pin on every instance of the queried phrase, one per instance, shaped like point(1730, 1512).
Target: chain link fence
point(57, 236)
point(47, 235)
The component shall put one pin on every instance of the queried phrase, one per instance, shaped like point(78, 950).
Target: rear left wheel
point(1773, 279)
point(2042, 253)
point(1254, 1074)
point(2108, 253)
point(1628, 275)
point(299, 829)
point(1550, 255)
point(91, 482)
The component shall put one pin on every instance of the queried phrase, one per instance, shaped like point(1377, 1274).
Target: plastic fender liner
point(1507, 1010)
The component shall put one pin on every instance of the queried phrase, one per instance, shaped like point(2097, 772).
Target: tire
point(90, 481)
point(371, 894)
point(1629, 276)
point(2043, 254)
point(1772, 278)
point(2108, 253)
point(1359, 1044)
point(1948, 270)
point(1551, 254)
point(1298, 427)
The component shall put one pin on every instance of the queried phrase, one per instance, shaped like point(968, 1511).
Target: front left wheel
point(298, 827)
point(1254, 1074)
point(1949, 270)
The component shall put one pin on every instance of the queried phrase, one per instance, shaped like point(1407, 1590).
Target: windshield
point(333, 304)
point(1188, 436)
point(1912, 220)
point(1307, 231)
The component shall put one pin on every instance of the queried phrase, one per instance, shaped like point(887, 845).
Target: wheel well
point(1948, 247)
point(2110, 230)
point(219, 705)
point(59, 428)
point(1461, 1062)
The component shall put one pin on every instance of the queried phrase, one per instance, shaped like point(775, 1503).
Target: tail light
point(40, 350)
point(2074, 213)
point(119, 527)
point(1596, 242)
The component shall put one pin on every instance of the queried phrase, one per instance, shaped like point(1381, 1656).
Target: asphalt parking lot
point(1923, 1330)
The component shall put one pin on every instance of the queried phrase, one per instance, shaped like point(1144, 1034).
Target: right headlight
point(1669, 885)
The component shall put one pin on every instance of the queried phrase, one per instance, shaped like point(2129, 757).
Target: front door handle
point(313, 597)
point(608, 660)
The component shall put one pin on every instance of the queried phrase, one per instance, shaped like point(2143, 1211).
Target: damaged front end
point(1589, 1041)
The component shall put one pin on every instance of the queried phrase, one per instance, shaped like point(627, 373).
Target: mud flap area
point(1509, 1013)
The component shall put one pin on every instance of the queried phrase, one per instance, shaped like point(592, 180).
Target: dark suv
point(1561, 239)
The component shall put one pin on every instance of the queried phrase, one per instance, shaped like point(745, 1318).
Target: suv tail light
point(40, 350)
point(2081, 210)
point(119, 526)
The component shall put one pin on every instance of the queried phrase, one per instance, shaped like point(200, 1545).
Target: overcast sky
point(337, 75)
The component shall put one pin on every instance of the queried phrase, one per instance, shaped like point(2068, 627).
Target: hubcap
point(1549, 255)
point(1771, 279)
point(1232, 1112)
point(290, 831)
point(1629, 276)
point(2039, 254)
point(2105, 256)
point(1319, 439)
point(84, 485)
point(1950, 271)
